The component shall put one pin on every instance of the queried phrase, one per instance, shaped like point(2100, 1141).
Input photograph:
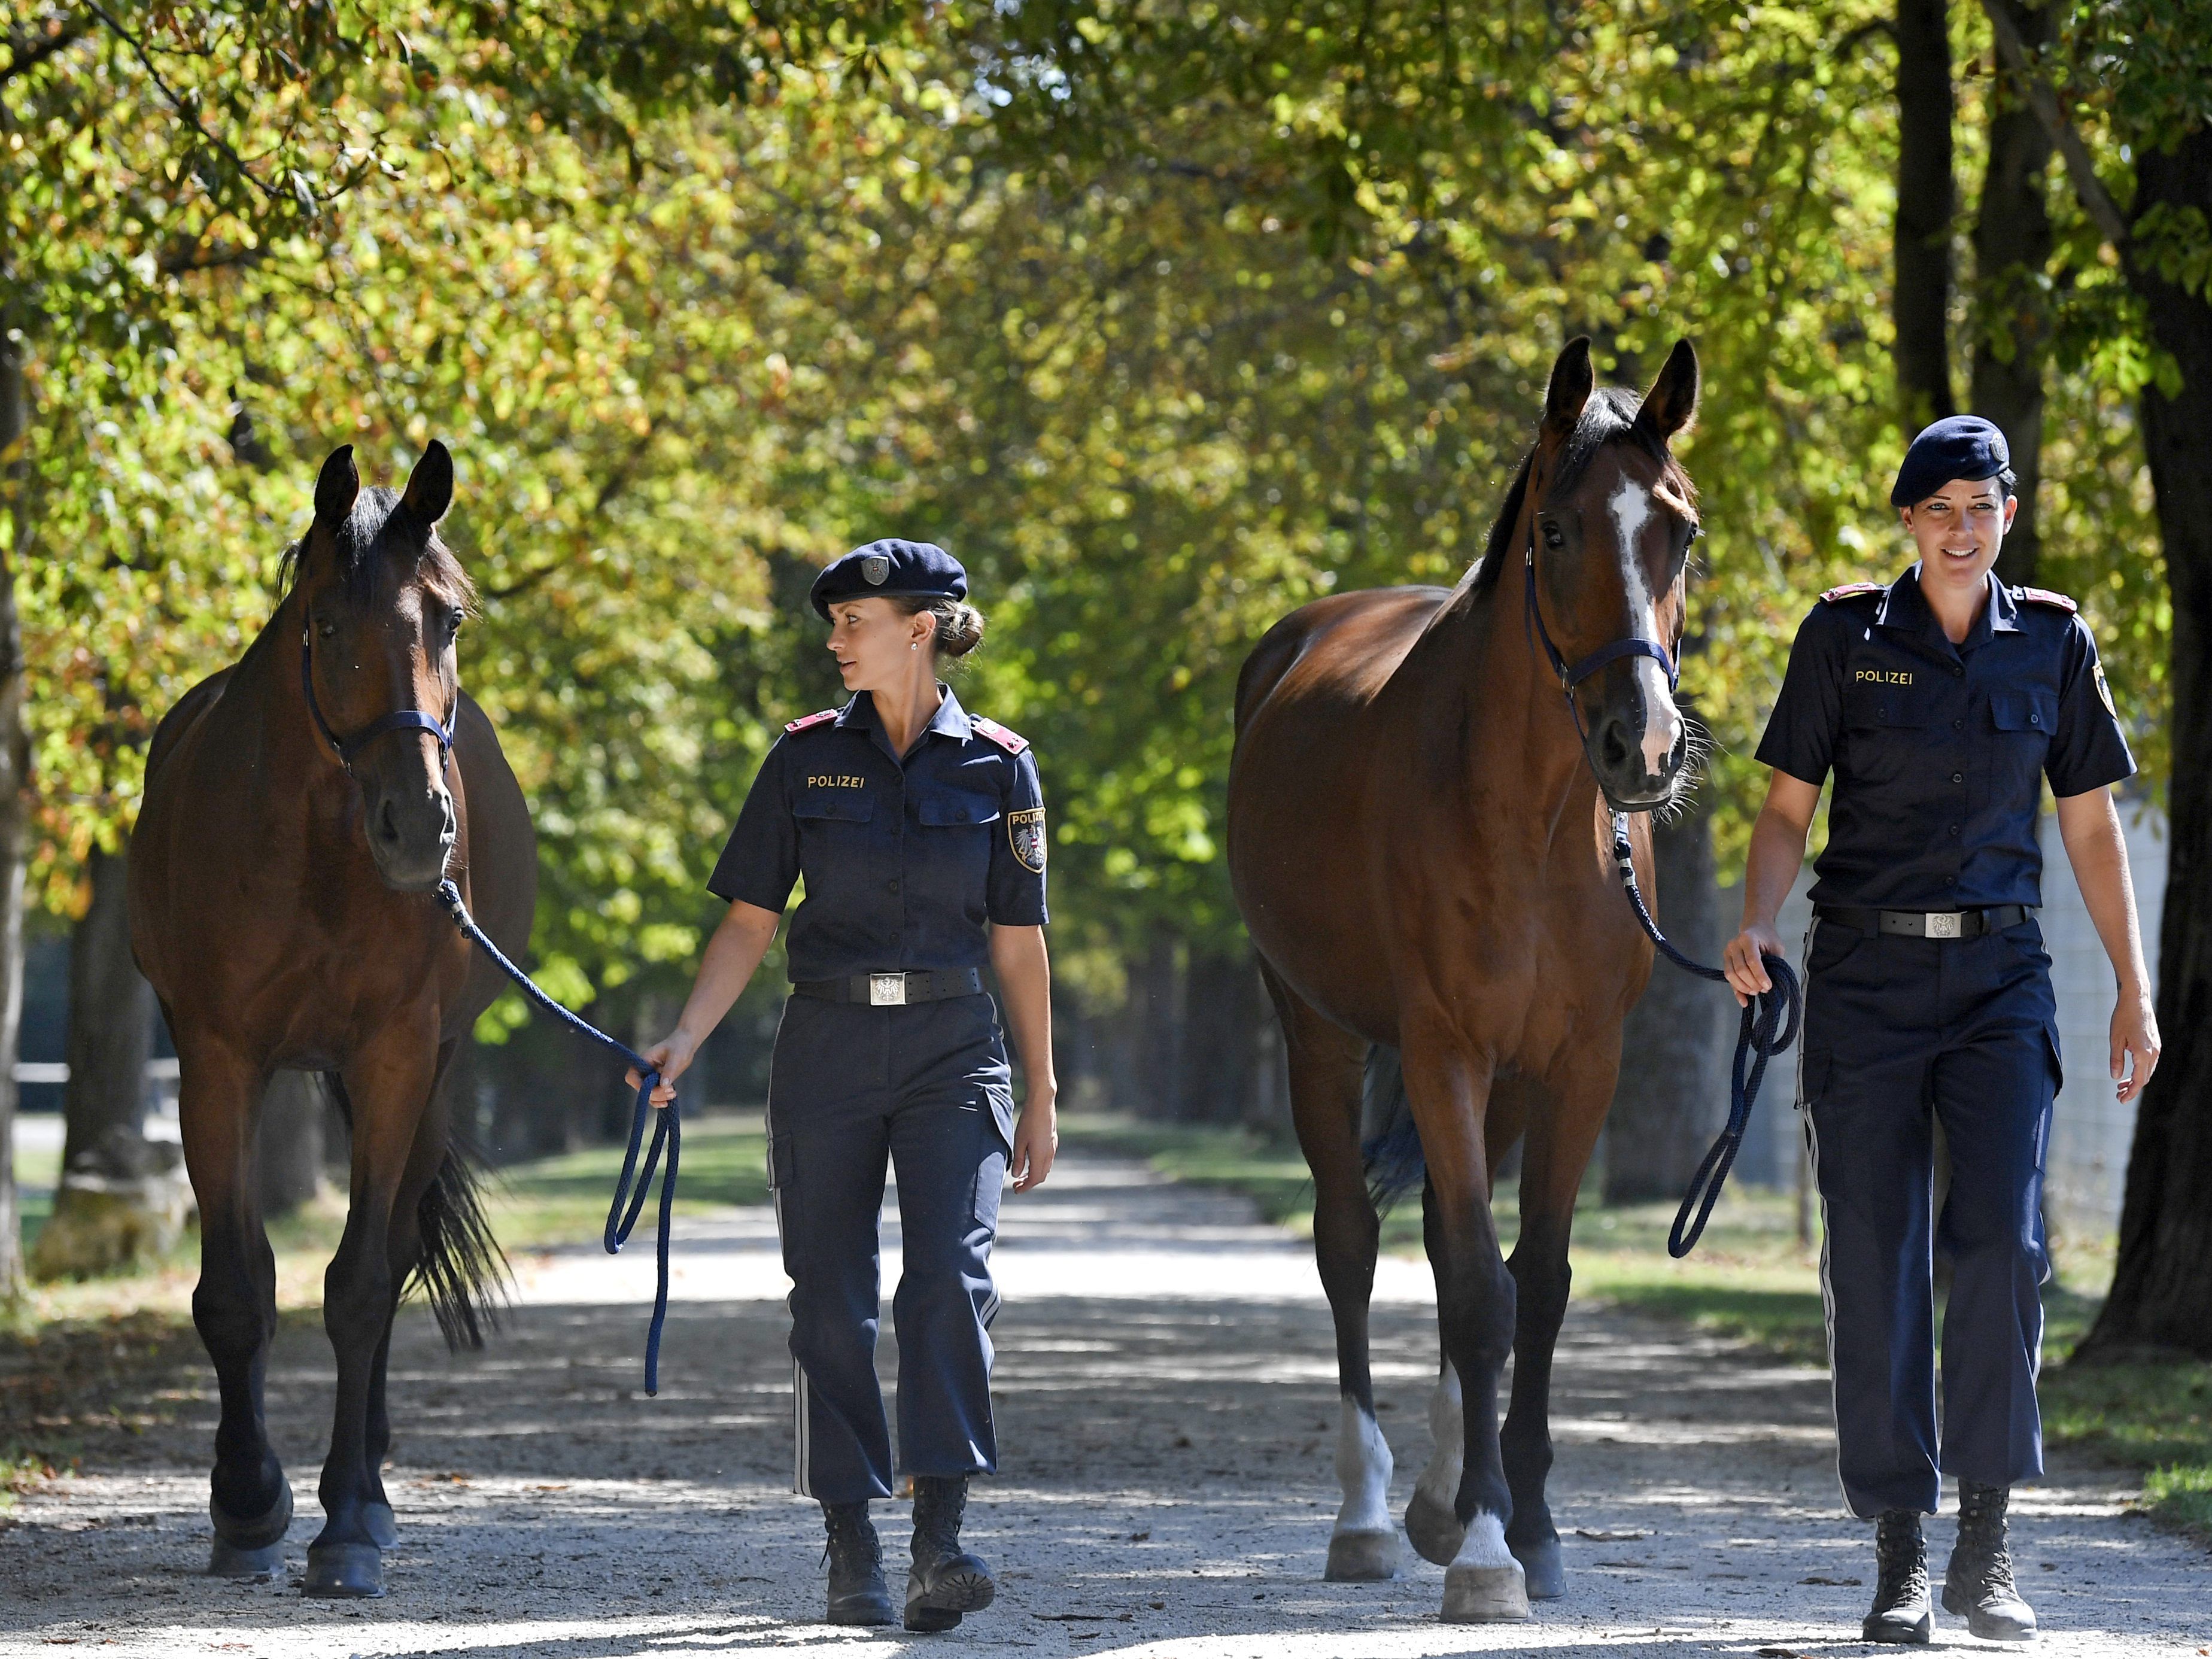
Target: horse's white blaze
point(1363, 1470)
point(1631, 510)
point(1485, 1546)
point(1440, 1480)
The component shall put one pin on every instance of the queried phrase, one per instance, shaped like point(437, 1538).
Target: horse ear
point(1673, 399)
point(1572, 382)
point(430, 485)
point(336, 486)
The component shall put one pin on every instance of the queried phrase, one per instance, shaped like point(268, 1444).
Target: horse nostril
point(387, 825)
point(1613, 746)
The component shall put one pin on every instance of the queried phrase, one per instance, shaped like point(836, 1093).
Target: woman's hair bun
point(959, 628)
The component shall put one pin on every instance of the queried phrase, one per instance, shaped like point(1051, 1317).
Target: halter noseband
point(400, 719)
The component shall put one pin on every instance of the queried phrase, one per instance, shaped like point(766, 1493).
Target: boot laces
point(1982, 1533)
point(1901, 1558)
point(851, 1535)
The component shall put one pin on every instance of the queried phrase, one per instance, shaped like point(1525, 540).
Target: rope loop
point(668, 1131)
point(1770, 1024)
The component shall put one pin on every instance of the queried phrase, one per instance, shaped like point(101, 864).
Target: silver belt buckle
point(889, 990)
point(1944, 924)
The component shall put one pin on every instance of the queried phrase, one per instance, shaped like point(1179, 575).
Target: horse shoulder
point(182, 716)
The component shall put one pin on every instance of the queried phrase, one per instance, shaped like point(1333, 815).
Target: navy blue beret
point(890, 569)
point(1956, 446)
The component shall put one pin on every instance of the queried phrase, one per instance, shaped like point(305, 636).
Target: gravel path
point(1168, 1418)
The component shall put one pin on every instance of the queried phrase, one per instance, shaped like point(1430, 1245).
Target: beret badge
point(876, 570)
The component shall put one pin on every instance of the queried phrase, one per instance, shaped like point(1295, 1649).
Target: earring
point(914, 644)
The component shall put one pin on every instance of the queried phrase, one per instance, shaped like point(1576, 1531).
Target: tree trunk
point(1921, 299)
point(121, 1198)
point(1672, 1096)
point(290, 1151)
point(1221, 1011)
point(15, 815)
point(2012, 261)
point(2162, 1294)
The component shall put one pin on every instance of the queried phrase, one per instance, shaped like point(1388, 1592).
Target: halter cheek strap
point(1573, 674)
point(399, 720)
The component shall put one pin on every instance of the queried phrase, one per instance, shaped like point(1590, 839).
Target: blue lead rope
point(668, 1129)
point(1769, 1025)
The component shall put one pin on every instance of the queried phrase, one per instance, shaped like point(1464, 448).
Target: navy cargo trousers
point(925, 1087)
point(1902, 1034)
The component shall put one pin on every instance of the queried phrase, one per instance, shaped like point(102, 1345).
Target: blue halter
point(1572, 675)
point(400, 719)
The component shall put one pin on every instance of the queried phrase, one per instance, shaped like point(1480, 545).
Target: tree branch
point(2088, 189)
point(23, 59)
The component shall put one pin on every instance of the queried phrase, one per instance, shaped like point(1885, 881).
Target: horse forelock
point(365, 543)
point(1608, 417)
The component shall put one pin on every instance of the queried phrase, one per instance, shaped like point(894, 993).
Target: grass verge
point(1751, 1279)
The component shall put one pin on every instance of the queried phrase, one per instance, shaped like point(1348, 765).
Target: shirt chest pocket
point(2024, 723)
point(955, 831)
point(1888, 733)
point(833, 833)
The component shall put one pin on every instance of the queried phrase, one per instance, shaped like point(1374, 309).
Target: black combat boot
point(858, 1595)
point(945, 1580)
point(1978, 1581)
point(1901, 1613)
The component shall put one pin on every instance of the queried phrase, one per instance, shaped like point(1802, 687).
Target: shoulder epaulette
point(809, 721)
point(2045, 596)
point(1854, 591)
point(1013, 742)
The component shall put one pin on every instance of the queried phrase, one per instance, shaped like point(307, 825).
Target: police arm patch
point(2105, 691)
point(1025, 835)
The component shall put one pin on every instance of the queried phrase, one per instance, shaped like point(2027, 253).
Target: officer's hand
point(1037, 1138)
point(1747, 974)
point(670, 1057)
point(2135, 1032)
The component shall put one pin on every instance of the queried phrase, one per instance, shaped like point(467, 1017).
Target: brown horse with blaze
point(281, 879)
point(1418, 836)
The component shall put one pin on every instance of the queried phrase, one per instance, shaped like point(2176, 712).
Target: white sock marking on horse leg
point(1485, 1543)
point(1363, 1470)
point(1439, 1480)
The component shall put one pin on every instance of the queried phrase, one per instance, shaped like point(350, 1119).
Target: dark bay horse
point(300, 808)
point(1419, 839)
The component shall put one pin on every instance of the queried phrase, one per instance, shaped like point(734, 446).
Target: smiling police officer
point(1940, 702)
point(920, 830)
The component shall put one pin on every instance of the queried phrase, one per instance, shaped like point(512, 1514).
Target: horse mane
point(362, 536)
point(1609, 417)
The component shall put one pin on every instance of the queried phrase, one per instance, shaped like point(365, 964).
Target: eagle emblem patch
point(2106, 691)
point(1025, 835)
point(876, 570)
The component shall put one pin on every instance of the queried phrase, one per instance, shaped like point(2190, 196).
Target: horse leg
point(234, 1304)
point(1562, 1130)
point(1431, 1519)
point(1449, 1094)
point(403, 1248)
point(1325, 1065)
point(389, 1085)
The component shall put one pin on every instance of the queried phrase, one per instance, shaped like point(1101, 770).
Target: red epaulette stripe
point(1013, 742)
point(1850, 590)
point(2045, 596)
point(805, 721)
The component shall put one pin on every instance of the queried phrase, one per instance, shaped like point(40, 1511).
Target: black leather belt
point(1929, 924)
point(895, 990)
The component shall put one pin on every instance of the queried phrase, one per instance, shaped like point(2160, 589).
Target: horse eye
point(325, 629)
point(1552, 538)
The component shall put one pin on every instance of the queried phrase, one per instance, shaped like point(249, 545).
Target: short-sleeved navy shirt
point(905, 858)
point(1940, 749)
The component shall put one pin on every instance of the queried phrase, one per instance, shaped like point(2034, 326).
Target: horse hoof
point(1541, 1567)
point(1435, 1530)
point(1485, 1595)
point(1362, 1557)
point(345, 1570)
point(383, 1527)
point(230, 1560)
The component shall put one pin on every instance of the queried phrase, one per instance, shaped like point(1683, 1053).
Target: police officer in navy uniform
point(1940, 702)
point(920, 830)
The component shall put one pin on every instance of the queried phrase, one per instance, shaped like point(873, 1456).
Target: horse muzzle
point(1639, 754)
point(411, 836)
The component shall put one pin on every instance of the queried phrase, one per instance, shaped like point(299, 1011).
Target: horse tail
point(1390, 1143)
point(459, 1265)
